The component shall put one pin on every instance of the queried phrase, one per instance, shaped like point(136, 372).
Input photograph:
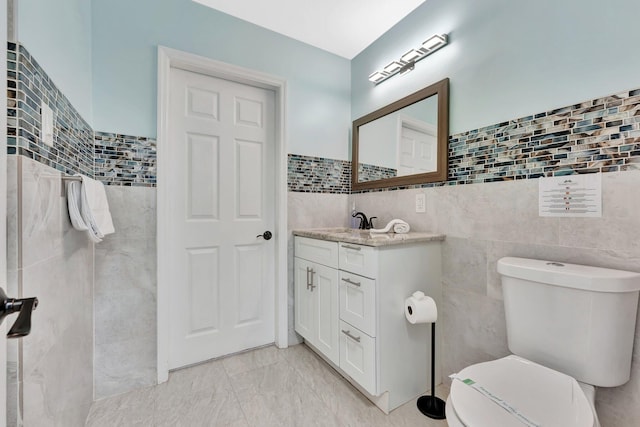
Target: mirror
point(404, 143)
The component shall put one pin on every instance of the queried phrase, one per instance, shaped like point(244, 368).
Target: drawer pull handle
point(348, 333)
point(310, 274)
point(352, 283)
point(355, 248)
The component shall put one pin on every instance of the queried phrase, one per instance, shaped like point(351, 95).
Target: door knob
point(24, 306)
point(266, 235)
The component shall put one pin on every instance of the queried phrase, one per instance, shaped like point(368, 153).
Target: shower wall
point(53, 366)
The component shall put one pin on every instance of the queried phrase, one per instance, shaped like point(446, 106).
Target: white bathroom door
point(222, 183)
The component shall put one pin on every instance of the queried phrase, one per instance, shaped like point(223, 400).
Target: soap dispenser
point(352, 218)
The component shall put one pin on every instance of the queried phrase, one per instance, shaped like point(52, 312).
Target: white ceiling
point(343, 27)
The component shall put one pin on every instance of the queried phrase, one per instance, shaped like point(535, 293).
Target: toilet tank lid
point(575, 276)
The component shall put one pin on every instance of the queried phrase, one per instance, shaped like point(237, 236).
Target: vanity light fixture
point(407, 62)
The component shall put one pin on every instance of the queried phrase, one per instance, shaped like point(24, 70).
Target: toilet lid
point(535, 393)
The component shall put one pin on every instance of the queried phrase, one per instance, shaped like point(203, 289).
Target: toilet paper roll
point(419, 308)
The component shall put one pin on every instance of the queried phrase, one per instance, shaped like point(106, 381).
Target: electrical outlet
point(421, 203)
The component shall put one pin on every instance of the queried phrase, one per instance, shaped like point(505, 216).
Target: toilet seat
point(542, 395)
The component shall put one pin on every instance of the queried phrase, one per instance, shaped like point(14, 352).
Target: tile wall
point(28, 87)
point(125, 284)
point(306, 174)
point(125, 160)
point(48, 259)
point(125, 294)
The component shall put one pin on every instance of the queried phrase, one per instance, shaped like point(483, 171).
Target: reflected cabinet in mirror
point(404, 143)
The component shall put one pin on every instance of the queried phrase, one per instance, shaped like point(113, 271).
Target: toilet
point(570, 329)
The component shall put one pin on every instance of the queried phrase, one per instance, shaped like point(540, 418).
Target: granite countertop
point(364, 237)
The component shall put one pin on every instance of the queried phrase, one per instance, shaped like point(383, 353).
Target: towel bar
point(63, 178)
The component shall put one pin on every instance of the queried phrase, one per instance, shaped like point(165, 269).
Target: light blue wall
point(507, 59)
point(125, 38)
point(58, 34)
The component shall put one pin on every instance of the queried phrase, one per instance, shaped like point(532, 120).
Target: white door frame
point(168, 58)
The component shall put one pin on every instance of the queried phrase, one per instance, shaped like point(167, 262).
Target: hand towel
point(401, 227)
point(398, 226)
point(94, 208)
point(73, 205)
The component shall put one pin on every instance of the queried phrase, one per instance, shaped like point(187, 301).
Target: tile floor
point(264, 387)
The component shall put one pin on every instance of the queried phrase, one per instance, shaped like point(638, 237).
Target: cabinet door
point(305, 301)
point(358, 356)
point(326, 292)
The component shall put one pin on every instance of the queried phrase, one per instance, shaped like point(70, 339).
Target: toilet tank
point(576, 319)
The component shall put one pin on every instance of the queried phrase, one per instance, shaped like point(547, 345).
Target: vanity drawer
point(358, 302)
point(358, 356)
point(314, 250)
point(358, 259)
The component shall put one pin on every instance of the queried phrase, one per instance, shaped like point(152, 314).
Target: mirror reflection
point(403, 143)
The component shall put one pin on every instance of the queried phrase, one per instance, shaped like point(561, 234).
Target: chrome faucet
point(364, 223)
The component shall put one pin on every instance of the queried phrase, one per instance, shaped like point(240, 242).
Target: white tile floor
point(265, 387)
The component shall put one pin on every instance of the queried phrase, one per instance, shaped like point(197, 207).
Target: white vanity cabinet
point(382, 354)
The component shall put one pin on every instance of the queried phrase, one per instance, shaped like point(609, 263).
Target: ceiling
point(343, 27)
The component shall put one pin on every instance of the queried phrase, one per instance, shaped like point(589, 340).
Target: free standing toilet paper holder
point(432, 406)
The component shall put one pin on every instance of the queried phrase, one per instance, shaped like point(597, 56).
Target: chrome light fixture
point(407, 62)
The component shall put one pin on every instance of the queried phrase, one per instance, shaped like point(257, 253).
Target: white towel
point(399, 226)
point(73, 204)
point(94, 208)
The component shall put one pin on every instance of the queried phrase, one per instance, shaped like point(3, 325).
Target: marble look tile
point(464, 264)
point(58, 354)
point(615, 229)
point(314, 210)
point(133, 211)
point(409, 416)
point(136, 408)
point(12, 213)
point(124, 365)
point(210, 375)
point(125, 315)
point(42, 210)
point(286, 393)
point(245, 362)
point(506, 211)
point(125, 264)
point(388, 205)
point(474, 330)
point(199, 408)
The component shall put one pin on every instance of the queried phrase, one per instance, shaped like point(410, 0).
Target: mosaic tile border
point(599, 135)
point(367, 172)
point(125, 160)
point(28, 85)
point(307, 174)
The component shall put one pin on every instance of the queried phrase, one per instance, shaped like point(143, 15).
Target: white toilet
point(571, 328)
